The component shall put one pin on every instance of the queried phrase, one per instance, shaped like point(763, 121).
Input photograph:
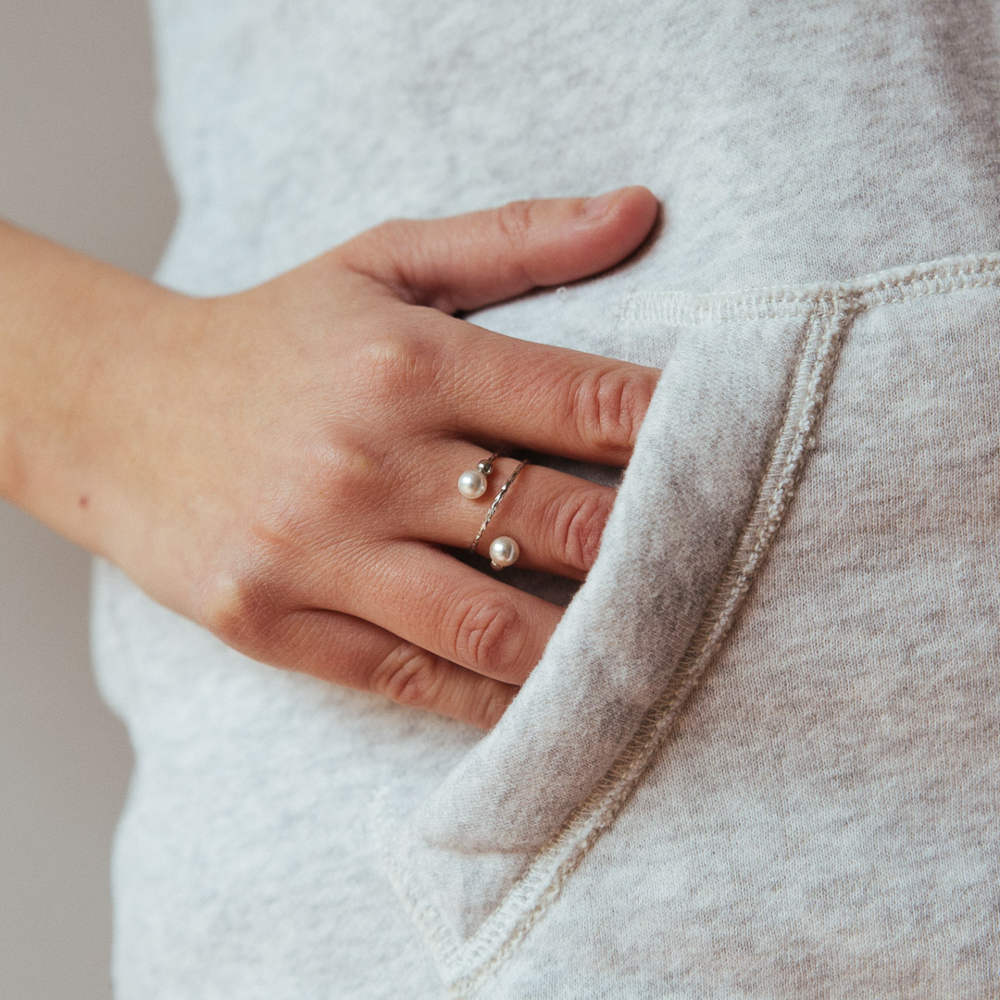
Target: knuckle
point(515, 220)
point(577, 524)
point(408, 675)
point(487, 634)
point(347, 475)
point(609, 407)
point(391, 365)
point(241, 609)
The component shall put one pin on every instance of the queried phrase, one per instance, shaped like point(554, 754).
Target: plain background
point(79, 163)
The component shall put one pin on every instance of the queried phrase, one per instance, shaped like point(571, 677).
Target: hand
point(285, 459)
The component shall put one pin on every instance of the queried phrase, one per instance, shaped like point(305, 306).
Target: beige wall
point(79, 162)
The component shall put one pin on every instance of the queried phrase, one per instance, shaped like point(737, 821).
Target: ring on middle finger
point(504, 551)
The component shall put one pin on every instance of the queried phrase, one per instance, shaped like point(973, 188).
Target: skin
point(279, 465)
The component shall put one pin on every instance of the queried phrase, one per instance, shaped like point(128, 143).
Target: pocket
point(716, 463)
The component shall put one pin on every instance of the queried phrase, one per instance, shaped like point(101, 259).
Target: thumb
point(466, 261)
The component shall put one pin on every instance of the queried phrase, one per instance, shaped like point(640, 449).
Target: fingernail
point(597, 208)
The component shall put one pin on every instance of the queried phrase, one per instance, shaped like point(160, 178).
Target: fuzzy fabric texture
point(758, 757)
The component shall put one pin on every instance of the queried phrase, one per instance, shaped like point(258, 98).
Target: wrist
point(73, 332)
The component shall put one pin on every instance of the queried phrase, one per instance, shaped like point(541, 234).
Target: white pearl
point(472, 484)
point(503, 552)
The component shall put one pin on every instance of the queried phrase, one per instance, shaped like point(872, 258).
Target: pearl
point(472, 484)
point(503, 552)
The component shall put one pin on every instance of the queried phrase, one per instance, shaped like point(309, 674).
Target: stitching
point(817, 358)
point(382, 824)
point(677, 308)
point(830, 313)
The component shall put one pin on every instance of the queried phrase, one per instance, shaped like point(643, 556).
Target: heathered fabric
point(759, 757)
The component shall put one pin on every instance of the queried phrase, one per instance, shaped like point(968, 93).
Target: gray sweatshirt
point(759, 757)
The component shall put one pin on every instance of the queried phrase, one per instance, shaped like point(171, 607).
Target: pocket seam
point(467, 964)
point(812, 372)
point(891, 286)
point(831, 313)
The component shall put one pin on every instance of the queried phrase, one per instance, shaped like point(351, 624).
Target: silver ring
point(504, 551)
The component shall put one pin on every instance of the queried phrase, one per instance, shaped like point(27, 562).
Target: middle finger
point(557, 519)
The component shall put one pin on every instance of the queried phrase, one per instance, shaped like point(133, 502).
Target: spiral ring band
point(496, 503)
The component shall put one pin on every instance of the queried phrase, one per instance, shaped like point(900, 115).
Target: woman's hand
point(280, 465)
